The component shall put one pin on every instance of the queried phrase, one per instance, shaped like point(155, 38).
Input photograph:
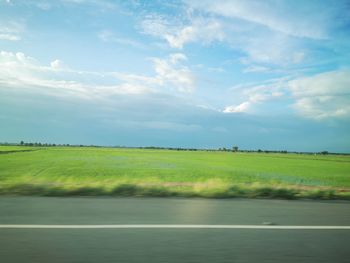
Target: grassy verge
point(233, 191)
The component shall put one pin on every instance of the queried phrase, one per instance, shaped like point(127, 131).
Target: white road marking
point(165, 226)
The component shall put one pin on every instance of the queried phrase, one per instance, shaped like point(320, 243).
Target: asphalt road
point(172, 245)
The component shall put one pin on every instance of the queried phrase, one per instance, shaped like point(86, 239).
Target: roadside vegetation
point(91, 171)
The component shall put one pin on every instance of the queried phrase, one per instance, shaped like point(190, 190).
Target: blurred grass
point(61, 171)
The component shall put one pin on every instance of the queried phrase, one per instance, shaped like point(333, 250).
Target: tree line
point(221, 149)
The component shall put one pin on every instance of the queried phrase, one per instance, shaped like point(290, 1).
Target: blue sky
point(257, 74)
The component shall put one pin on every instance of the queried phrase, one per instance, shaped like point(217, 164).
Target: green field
point(60, 171)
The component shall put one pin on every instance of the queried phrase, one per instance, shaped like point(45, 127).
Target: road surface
point(40, 229)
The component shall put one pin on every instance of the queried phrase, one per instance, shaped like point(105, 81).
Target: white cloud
point(295, 20)
point(204, 31)
point(109, 36)
point(44, 5)
point(270, 48)
point(132, 88)
point(177, 57)
point(255, 68)
point(135, 78)
point(178, 75)
point(10, 31)
point(320, 97)
point(257, 94)
point(260, 45)
point(57, 64)
point(177, 34)
point(9, 37)
point(23, 72)
point(156, 25)
point(243, 107)
point(170, 74)
point(323, 96)
point(267, 32)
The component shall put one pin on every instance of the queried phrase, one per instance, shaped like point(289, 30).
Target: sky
point(255, 74)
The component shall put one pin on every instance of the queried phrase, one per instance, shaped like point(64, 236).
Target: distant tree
point(259, 151)
point(22, 142)
point(235, 148)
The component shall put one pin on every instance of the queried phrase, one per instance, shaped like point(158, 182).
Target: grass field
point(60, 171)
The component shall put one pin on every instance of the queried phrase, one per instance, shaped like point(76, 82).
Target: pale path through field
point(272, 242)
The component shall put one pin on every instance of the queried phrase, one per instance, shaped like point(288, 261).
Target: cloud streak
point(19, 71)
point(265, 13)
point(177, 34)
point(322, 96)
point(11, 31)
